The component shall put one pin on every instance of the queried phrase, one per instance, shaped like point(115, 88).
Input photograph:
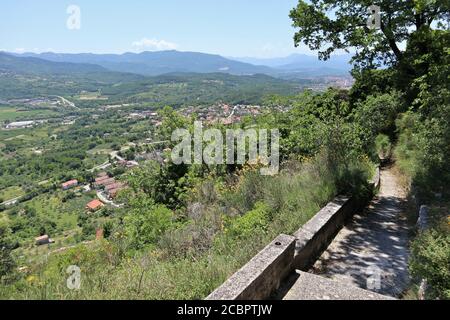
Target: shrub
point(423, 150)
point(146, 222)
point(430, 259)
point(383, 146)
point(7, 263)
point(256, 220)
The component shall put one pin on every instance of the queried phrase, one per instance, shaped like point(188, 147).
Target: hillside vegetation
point(184, 229)
point(22, 77)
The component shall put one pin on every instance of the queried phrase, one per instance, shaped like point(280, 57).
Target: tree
point(7, 263)
point(430, 255)
point(146, 221)
point(330, 25)
point(378, 114)
point(160, 182)
point(171, 121)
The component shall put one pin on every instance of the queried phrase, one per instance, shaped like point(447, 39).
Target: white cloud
point(153, 45)
point(19, 50)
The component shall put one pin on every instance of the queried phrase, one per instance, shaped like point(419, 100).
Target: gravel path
point(372, 251)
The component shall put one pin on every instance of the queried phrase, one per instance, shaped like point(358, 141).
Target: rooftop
point(94, 204)
point(70, 183)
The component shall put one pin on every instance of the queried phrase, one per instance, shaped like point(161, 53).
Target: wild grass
point(225, 230)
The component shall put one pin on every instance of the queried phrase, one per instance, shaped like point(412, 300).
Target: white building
point(19, 124)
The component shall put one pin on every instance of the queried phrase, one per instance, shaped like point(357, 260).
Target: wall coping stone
point(261, 275)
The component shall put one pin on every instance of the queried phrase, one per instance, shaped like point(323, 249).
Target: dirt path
point(372, 251)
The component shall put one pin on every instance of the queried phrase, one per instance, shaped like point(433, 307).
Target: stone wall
point(263, 274)
point(314, 237)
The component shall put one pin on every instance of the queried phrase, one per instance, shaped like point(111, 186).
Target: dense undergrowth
point(227, 226)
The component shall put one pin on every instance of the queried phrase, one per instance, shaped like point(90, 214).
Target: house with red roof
point(94, 205)
point(45, 239)
point(69, 184)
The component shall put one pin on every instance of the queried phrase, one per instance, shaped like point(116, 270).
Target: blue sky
point(256, 28)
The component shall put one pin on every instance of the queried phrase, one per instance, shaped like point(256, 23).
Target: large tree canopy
point(329, 25)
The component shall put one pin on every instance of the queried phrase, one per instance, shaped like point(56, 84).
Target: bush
point(253, 221)
point(7, 263)
point(146, 222)
point(423, 150)
point(383, 146)
point(430, 258)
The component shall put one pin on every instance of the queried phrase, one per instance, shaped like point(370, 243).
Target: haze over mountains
point(30, 77)
point(162, 62)
point(301, 61)
point(31, 65)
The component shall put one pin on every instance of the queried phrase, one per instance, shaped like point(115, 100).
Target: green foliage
point(423, 72)
point(317, 120)
point(378, 113)
point(336, 25)
point(253, 221)
point(146, 221)
point(383, 146)
point(423, 149)
point(172, 121)
point(430, 259)
point(372, 82)
point(162, 183)
point(7, 263)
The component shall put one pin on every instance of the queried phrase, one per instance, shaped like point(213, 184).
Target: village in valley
point(65, 159)
point(94, 196)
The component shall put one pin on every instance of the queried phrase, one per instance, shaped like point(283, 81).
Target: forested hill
point(157, 63)
point(24, 77)
point(183, 88)
point(29, 65)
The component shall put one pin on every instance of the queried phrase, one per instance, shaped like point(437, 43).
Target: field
point(91, 96)
point(53, 207)
point(104, 149)
point(11, 193)
point(14, 114)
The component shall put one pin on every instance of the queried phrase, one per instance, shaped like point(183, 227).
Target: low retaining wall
point(263, 274)
point(315, 236)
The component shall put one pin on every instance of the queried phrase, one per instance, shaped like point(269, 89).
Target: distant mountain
point(271, 62)
point(162, 62)
point(30, 65)
point(25, 77)
point(305, 64)
point(157, 63)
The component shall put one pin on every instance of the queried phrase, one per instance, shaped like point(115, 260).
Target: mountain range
point(26, 77)
point(298, 61)
point(32, 65)
point(157, 63)
point(162, 62)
